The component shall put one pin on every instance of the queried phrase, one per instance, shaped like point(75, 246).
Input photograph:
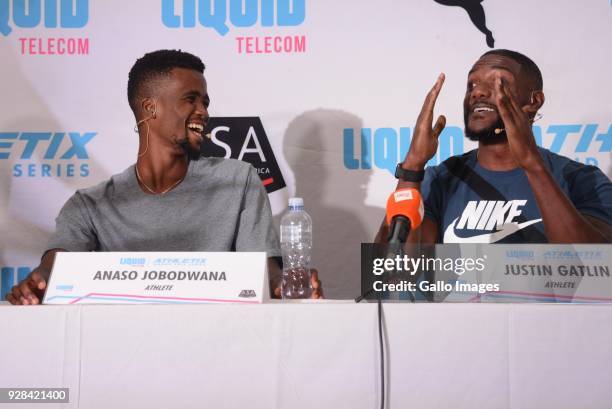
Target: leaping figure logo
point(476, 13)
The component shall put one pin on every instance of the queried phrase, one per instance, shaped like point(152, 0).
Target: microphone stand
point(399, 230)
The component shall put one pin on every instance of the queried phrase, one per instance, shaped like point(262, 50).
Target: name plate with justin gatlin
point(154, 277)
point(567, 273)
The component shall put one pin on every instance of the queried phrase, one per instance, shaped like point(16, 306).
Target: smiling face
point(182, 111)
point(479, 108)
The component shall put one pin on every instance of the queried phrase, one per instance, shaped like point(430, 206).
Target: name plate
point(157, 277)
point(568, 273)
point(471, 272)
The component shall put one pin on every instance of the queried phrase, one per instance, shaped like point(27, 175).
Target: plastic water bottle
point(296, 244)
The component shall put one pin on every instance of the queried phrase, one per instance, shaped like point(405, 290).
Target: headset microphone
point(144, 120)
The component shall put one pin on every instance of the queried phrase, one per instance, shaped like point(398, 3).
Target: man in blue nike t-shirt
point(508, 190)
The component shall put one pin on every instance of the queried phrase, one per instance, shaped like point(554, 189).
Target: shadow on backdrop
point(18, 232)
point(333, 195)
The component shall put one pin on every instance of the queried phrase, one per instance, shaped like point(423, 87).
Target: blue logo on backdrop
point(21, 146)
point(9, 276)
point(242, 13)
point(590, 139)
point(383, 148)
point(31, 13)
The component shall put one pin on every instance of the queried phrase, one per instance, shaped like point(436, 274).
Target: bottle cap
point(296, 202)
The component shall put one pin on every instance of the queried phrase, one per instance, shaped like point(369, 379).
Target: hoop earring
point(537, 117)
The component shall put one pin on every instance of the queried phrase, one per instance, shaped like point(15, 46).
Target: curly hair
point(152, 66)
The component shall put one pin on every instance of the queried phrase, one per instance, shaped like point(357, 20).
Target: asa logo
point(219, 14)
point(498, 217)
point(52, 13)
point(244, 138)
point(247, 294)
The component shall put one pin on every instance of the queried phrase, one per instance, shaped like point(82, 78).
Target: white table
point(322, 355)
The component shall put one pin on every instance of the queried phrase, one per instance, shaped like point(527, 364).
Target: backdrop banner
point(322, 96)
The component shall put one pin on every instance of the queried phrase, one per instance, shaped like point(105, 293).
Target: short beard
point(191, 152)
point(486, 136)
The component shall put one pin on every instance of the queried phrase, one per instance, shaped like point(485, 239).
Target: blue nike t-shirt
point(471, 204)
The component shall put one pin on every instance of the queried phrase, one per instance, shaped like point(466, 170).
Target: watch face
point(398, 171)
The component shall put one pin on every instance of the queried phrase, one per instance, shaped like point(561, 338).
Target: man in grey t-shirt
point(170, 200)
point(220, 205)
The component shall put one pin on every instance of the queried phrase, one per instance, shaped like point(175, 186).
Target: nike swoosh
point(507, 229)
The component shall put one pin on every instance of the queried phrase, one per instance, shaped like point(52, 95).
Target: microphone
point(535, 118)
point(404, 212)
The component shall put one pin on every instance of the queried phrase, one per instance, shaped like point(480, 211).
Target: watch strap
point(409, 175)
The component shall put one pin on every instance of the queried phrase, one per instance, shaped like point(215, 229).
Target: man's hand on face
point(29, 292)
point(425, 140)
point(517, 125)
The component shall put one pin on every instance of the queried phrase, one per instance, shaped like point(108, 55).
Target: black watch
point(409, 175)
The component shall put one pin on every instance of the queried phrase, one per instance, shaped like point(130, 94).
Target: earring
point(536, 117)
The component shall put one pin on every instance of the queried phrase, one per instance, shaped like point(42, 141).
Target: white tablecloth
point(322, 355)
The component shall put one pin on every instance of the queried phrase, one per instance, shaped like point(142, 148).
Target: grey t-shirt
point(221, 205)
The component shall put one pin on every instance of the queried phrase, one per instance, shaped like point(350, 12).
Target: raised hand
point(425, 139)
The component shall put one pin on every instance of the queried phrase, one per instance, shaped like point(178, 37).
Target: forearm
point(562, 222)
point(31, 290)
point(423, 147)
point(46, 263)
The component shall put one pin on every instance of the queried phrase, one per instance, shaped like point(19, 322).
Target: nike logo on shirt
point(494, 215)
point(508, 229)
